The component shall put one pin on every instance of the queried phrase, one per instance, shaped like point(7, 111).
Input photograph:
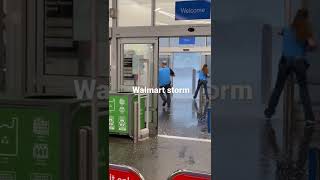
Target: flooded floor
point(157, 158)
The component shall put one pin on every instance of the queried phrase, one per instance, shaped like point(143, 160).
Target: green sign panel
point(118, 114)
point(29, 144)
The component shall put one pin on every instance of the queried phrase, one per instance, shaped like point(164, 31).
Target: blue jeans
point(163, 97)
point(299, 68)
point(204, 84)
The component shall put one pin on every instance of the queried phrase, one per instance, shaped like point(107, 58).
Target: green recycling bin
point(121, 113)
point(46, 139)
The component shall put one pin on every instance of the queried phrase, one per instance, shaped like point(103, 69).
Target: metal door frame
point(122, 41)
point(154, 81)
point(16, 38)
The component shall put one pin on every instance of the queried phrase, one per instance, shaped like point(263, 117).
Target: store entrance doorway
point(186, 117)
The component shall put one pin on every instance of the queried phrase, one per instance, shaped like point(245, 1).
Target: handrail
point(185, 174)
point(127, 169)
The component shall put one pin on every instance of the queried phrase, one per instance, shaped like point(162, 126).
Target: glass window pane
point(174, 42)
point(67, 39)
point(209, 41)
point(61, 50)
point(137, 64)
point(164, 42)
point(165, 14)
point(134, 13)
point(200, 42)
point(2, 47)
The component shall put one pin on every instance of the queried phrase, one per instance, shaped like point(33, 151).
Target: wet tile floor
point(157, 157)
point(185, 118)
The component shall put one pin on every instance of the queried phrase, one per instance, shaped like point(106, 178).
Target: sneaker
point(268, 113)
point(310, 123)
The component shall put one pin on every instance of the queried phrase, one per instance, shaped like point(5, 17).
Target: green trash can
point(48, 139)
point(121, 113)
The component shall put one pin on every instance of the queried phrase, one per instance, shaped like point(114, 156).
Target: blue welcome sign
point(191, 10)
point(187, 40)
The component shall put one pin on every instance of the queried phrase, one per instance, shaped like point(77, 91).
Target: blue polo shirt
point(202, 76)
point(291, 47)
point(164, 76)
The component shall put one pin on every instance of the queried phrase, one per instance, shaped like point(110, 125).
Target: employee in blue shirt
point(203, 75)
point(297, 40)
point(165, 82)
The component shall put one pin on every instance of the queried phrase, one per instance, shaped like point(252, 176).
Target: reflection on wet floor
point(185, 118)
point(290, 160)
point(157, 158)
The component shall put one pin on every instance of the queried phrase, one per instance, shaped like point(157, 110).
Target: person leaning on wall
point(297, 39)
point(203, 76)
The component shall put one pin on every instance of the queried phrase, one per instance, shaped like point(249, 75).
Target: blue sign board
point(187, 40)
point(191, 10)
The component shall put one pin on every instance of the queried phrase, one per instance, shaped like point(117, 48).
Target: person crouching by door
point(203, 76)
point(165, 82)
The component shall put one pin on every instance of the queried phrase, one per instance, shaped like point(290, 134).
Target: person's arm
point(311, 43)
point(206, 72)
point(171, 72)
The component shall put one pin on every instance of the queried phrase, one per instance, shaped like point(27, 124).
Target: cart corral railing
point(124, 172)
point(189, 175)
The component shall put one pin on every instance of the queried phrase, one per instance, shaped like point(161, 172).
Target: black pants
point(204, 84)
point(286, 67)
point(168, 98)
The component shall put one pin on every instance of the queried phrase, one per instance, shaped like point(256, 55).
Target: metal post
point(146, 117)
point(135, 122)
point(94, 74)
point(200, 96)
point(193, 80)
point(153, 12)
point(209, 120)
point(83, 154)
point(139, 115)
point(2, 47)
point(288, 92)
point(266, 63)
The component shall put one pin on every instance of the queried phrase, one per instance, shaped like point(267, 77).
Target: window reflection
point(66, 37)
